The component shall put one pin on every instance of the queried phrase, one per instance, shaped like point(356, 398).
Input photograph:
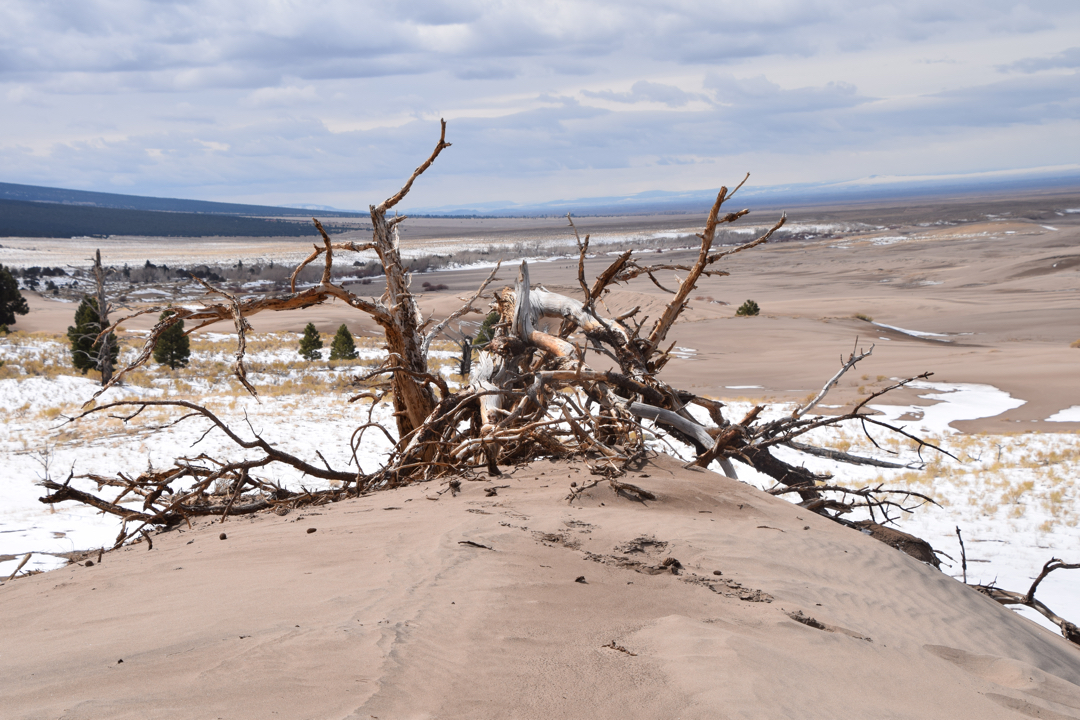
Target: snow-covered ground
point(300, 405)
point(1014, 497)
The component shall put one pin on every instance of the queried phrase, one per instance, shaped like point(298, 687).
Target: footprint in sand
point(1017, 675)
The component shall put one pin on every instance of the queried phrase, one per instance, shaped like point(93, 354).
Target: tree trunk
point(413, 399)
point(105, 354)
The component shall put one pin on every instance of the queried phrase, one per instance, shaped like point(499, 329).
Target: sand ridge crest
point(398, 619)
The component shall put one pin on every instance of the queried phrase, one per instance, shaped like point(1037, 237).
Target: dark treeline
point(34, 277)
point(273, 276)
point(33, 219)
point(37, 193)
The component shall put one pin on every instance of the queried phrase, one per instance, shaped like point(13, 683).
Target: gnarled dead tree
point(531, 392)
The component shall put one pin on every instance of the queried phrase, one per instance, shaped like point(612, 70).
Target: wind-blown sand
point(385, 612)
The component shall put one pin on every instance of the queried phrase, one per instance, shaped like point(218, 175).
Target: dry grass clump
point(1023, 480)
point(10, 370)
point(1009, 476)
point(274, 365)
point(305, 384)
point(34, 355)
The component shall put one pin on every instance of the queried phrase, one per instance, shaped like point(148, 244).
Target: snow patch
point(957, 401)
point(1070, 414)
point(914, 333)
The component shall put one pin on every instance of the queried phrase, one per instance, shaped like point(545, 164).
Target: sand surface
point(385, 612)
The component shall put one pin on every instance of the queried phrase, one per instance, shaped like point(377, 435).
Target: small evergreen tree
point(748, 308)
point(311, 343)
point(173, 347)
point(12, 302)
point(487, 331)
point(343, 347)
point(85, 352)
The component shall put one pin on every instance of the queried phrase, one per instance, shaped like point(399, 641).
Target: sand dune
point(388, 611)
point(399, 606)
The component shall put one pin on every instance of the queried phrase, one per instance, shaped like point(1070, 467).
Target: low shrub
point(748, 309)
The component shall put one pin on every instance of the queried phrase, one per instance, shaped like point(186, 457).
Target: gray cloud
point(339, 38)
point(278, 100)
point(1068, 59)
point(759, 95)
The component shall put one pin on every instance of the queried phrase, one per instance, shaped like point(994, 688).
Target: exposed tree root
point(531, 394)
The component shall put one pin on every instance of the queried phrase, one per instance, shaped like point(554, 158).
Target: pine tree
point(173, 347)
point(311, 343)
point(85, 353)
point(12, 302)
point(343, 347)
point(487, 331)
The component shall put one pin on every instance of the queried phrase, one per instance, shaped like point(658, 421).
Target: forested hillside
point(36, 193)
point(39, 219)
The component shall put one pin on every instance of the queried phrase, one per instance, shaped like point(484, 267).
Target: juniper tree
point(343, 347)
point(86, 349)
point(174, 347)
point(487, 331)
point(12, 302)
point(748, 309)
point(311, 343)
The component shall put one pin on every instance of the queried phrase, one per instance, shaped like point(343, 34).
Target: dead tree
point(104, 356)
point(465, 366)
point(531, 393)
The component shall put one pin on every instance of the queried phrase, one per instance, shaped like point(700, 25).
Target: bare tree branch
point(463, 310)
point(393, 200)
point(852, 360)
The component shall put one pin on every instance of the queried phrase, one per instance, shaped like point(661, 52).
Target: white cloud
point(281, 96)
point(645, 91)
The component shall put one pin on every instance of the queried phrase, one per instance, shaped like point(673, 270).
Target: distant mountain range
point(58, 220)
point(874, 188)
point(34, 211)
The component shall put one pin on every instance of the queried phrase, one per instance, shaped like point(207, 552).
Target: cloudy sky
point(334, 102)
